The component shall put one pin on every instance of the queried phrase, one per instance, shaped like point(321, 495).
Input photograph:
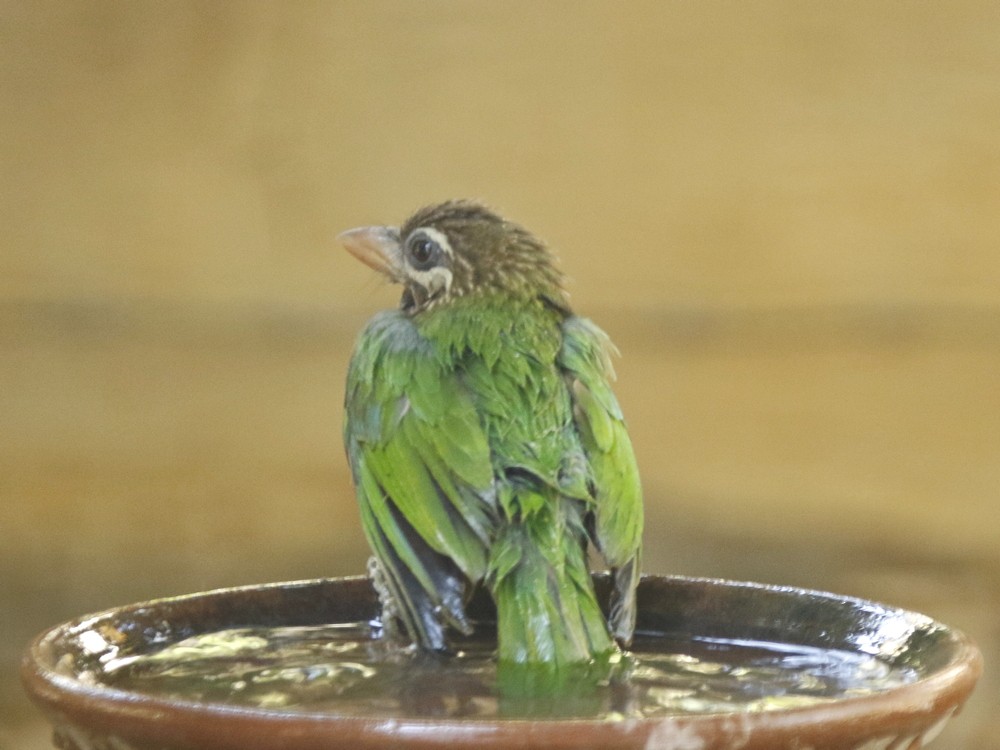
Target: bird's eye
point(423, 252)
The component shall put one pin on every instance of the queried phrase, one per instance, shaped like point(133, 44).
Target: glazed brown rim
point(912, 711)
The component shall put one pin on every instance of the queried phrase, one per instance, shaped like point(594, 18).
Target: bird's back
point(508, 356)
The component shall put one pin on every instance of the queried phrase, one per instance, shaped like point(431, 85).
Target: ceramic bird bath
point(717, 665)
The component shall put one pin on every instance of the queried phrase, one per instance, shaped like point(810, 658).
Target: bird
point(486, 445)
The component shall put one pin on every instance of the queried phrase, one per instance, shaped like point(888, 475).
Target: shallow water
point(344, 669)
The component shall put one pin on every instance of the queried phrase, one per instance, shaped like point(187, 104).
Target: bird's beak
point(376, 247)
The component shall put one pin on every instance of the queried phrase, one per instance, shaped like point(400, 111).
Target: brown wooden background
point(787, 214)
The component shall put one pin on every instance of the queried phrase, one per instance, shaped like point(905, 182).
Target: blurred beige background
point(787, 214)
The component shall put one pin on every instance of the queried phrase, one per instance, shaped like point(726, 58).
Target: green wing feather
point(585, 359)
point(422, 473)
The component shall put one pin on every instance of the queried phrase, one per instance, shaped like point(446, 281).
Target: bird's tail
point(547, 612)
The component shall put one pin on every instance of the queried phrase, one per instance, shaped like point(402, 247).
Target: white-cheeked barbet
point(485, 442)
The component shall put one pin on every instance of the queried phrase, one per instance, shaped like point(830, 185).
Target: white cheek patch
point(434, 280)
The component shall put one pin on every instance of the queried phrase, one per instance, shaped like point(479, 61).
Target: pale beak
point(376, 247)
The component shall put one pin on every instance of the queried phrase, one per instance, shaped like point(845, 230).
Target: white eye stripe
point(439, 238)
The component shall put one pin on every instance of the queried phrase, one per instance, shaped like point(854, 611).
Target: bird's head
point(456, 250)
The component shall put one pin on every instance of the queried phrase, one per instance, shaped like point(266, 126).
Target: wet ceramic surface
point(90, 715)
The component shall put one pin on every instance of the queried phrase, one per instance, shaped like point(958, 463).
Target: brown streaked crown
point(484, 253)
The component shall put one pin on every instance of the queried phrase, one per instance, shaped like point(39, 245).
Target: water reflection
point(343, 669)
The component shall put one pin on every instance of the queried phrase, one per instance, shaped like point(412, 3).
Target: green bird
point(485, 443)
